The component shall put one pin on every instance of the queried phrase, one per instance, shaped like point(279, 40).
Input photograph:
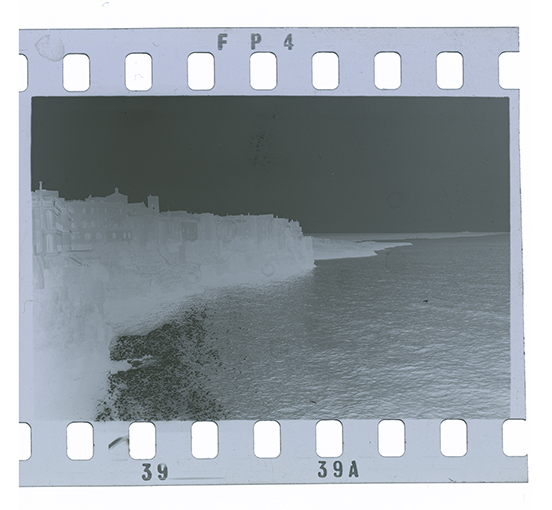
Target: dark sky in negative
point(335, 164)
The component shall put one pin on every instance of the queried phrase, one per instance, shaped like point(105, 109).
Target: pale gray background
point(41, 13)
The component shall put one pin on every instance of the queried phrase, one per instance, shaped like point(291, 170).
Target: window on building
point(49, 220)
point(114, 236)
point(87, 236)
point(50, 243)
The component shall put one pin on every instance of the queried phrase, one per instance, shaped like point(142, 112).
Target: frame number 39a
point(337, 469)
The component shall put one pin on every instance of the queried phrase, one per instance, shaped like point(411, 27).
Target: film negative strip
point(260, 256)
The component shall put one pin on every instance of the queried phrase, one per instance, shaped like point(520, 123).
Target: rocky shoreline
point(165, 374)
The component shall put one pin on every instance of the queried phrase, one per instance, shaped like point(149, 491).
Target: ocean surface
point(418, 331)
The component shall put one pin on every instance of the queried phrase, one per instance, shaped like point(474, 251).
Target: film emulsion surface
point(298, 257)
point(254, 258)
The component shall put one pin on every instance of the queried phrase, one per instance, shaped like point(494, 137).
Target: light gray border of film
point(298, 461)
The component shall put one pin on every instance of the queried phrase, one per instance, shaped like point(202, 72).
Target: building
point(99, 220)
point(61, 225)
point(51, 222)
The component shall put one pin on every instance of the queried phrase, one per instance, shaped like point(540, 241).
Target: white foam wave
point(325, 248)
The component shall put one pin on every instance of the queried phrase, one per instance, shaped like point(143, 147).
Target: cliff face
point(82, 299)
point(71, 338)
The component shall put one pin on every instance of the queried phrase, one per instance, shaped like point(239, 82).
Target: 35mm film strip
point(310, 236)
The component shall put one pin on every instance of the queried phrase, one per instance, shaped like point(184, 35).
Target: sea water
point(417, 331)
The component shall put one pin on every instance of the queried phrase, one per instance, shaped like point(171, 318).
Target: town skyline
point(78, 226)
point(335, 164)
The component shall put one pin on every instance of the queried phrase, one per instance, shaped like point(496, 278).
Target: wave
point(328, 248)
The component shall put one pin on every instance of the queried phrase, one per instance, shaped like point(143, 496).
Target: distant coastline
point(377, 236)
